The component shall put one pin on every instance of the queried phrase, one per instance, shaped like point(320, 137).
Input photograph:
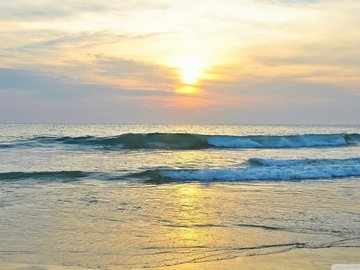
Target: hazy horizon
point(175, 124)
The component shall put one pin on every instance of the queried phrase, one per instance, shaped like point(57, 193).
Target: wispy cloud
point(52, 86)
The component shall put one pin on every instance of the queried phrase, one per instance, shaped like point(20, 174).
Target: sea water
point(134, 196)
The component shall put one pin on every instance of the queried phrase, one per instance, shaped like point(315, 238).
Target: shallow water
point(90, 206)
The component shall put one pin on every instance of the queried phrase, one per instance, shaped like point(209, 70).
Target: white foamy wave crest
point(233, 142)
point(309, 140)
point(189, 141)
point(274, 170)
point(302, 162)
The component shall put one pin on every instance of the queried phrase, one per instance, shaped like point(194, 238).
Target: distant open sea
point(135, 196)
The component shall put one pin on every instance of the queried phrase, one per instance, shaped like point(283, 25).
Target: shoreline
point(297, 259)
point(315, 259)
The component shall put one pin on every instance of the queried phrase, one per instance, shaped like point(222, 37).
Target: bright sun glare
point(190, 68)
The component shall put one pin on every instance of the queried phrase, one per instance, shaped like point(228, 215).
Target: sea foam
point(264, 169)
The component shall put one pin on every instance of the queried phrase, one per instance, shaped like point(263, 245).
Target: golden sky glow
point(215, 50)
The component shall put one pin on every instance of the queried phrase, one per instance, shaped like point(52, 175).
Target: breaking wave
point(256, 169)
point(192, 141)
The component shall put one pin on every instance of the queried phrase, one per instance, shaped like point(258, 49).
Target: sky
point(194, 62)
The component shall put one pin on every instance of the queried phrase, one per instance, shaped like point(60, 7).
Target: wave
point(262, 170)
point(253, 169)
point(302, 162)
point(289, 141)
point(44, 175)
point(192, 141)
point(123, 141)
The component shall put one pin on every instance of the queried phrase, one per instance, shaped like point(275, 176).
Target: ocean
point(148, 196)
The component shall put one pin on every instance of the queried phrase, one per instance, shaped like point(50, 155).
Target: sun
point(190, 68)
point(187, 90)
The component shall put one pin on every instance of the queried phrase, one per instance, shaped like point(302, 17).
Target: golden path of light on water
point(190, 213)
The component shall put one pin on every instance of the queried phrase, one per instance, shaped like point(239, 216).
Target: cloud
point(346, 54)
point(130, 69)
point(28, 96)
point(50, 9)
point(281, 87)
point(51, 86)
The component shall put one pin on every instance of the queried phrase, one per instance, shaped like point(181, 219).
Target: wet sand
point(318, 259)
